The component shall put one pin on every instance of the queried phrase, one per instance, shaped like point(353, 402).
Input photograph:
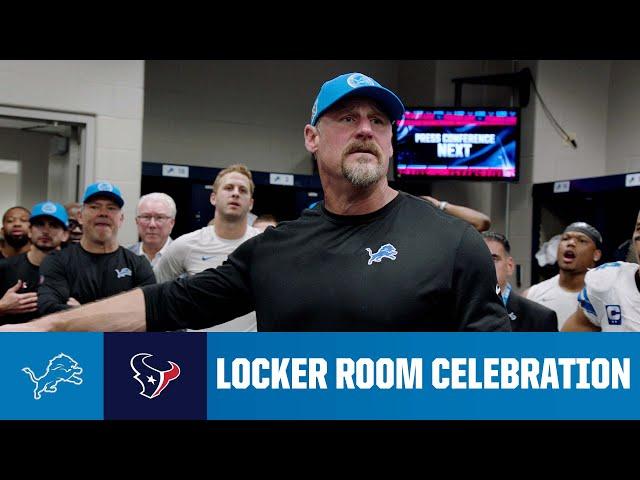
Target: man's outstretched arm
point(121, 313)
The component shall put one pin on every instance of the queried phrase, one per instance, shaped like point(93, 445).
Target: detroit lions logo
point(359, 80)
point(49, 208)
point(385, 251)
point(123, 272)
point(153, 381)
point(61, 368)
point(105, 187)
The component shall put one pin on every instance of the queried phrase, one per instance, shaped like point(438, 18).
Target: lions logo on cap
point(105, 187)
point(49, 208)
point(359, 80)
point(314, 109)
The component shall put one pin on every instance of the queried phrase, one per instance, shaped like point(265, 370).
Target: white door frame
point(88, 141)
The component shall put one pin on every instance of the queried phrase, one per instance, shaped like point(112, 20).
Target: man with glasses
point(155, 218)
point(97, 266)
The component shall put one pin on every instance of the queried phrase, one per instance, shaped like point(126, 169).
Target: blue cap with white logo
point(356, 84)
point(104, 189)
point(50, 209)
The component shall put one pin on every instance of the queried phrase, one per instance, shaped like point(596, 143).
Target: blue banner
point(320, 376)
point(426, 376)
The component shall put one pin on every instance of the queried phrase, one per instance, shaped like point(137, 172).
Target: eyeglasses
point(146, 219)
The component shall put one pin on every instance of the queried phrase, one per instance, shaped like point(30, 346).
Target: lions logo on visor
point(358, 80)
point(49, 208)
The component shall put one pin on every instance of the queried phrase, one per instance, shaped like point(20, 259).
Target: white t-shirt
point(137, 249)
point(194, 252)
point(610, 297)
point(550, 294)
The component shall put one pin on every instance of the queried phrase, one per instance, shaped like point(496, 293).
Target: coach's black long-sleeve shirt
point(405, 267)
point(74, 272)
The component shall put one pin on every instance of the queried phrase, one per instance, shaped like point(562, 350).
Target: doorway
point(45, 155)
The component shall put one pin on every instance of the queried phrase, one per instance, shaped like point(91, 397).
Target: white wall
point(32, 151)
point(8, 191)
point(215, 113)
point(577, 93)
point(111, 90)
point(623, 118)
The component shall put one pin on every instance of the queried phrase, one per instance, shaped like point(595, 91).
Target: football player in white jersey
point(610, 299)
point(578, 251)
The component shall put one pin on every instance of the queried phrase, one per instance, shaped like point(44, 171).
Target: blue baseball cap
point(104, 189)
point(356, 84)
point(52, 210)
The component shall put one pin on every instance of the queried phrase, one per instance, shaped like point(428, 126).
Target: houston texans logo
point(153, 381)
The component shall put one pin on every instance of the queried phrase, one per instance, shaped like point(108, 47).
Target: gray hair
point(162, 197)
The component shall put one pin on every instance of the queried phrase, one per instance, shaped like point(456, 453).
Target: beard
point(17, 242)
point(363, 173)
point(45, 248)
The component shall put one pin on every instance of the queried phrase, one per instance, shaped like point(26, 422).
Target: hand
point(72, 302)
point(13, 303)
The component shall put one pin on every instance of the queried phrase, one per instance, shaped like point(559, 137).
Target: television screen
point(458, 142)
